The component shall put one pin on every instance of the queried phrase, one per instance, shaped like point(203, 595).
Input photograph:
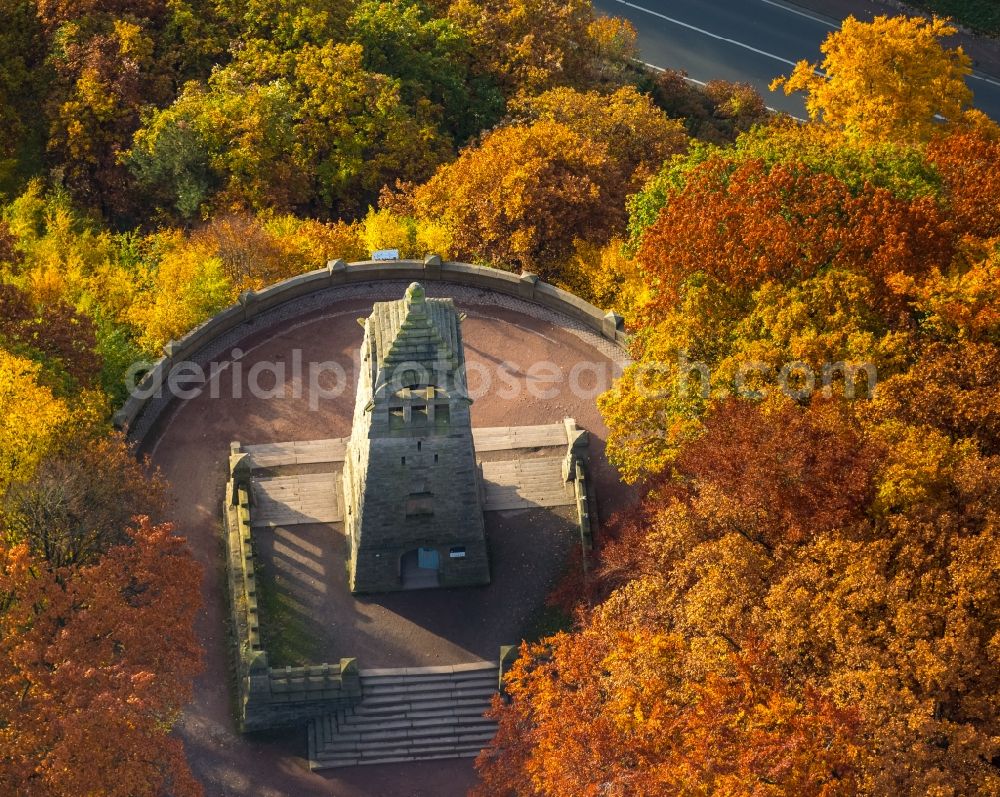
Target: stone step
point(472, 710)
point(394, 709)
point(404, 721)
point(424, 703)
point(334, 762)
point(431, 678)
point(430, 703)
point(485, 676)
point(489, 680)
point(466, 708)
point(402, 695)
point(378, 739)
point(455, 746)
point(408, 715)
point(349, 721)
point(409, 727)
point(457, 670)
point(362, 717)
point(414, 746)
point(426, 687)
point(333, 725)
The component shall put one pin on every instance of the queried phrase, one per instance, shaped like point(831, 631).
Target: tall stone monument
point(413, 509)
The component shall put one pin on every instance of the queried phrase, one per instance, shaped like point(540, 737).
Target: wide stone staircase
point(409, 714)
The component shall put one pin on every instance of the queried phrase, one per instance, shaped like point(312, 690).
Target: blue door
point(427, 559)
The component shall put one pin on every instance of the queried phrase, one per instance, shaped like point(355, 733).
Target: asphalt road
point(751, 41)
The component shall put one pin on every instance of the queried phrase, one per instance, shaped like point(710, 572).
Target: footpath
point(983, 50)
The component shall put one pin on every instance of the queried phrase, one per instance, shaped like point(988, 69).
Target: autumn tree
point(861, 550)
point(902, 170)
point(256, 251)
point(764, 264)
point(638, 135)
point(743, 223)
point(886, 80)
point(414, 237)
point(967, 163)
point(717, 112)
point(963, 301)
point(286, 25)
point(74, 280)
point(952, 388)
point(80, 501)
point(54, 333)
point(22, 86)
point(106, 72)
point(306, 129)
point(31, 418)
point(615, 48)
point(520, 198)
point(433, 59)
point(614, 710)
point(95, 664)
point(909, 600)
point(530, 45)
point(606, 275)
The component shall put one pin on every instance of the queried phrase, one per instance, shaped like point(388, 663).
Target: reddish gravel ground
point(190, 445)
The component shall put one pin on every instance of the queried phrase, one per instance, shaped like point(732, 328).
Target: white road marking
point(805, 14)
point(708, 33)
point(973, 75)
point(977, 76)
point(783, 7)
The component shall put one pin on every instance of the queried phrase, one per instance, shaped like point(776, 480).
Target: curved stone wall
point(253, 304)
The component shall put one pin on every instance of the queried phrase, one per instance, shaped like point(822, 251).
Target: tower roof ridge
point(415, 329)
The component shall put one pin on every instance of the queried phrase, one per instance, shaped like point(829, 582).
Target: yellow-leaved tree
point(30, 418)
point(888, 80)
point(187, 286)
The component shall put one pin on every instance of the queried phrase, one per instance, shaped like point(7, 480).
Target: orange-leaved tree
point(521, 198)
point(617, 710)
point(967, 161)
point(95, 664)
point(638, 135)
point(862, 551)
point(748, 262)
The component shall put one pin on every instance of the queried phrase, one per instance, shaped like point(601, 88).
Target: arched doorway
point(419, 568)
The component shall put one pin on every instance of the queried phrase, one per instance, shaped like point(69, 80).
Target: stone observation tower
point(413, 511)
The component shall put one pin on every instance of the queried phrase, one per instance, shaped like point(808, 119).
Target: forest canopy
point(804, 599)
